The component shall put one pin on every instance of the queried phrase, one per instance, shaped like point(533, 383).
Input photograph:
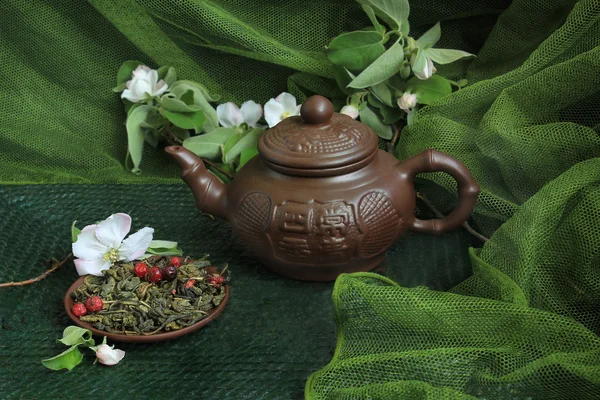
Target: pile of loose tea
point(151, 296)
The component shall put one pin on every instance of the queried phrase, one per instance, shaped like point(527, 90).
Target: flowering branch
point(55, 265)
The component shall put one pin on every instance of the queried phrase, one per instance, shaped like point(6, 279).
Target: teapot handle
point(432, 160)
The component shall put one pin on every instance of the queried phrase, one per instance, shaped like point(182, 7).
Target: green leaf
point(201, 98)
point(167, 74)
point(394, 12)
point(249, 140)
point(68, 359)
point(397, 83)
point(384, 67)
point(391, 115)
point(246, 155)
point(420, 62)
point(195, 86)
point(374, 101)
point(180, 132)
point(383, 93)
point(151, 137)
point(74, 336)
point(410, 117)
point(208, 145)
point(431, 89)
point(164, 248)
point(135, 134)
point(371, 14)
point(369, 118)
point(75, 231)
point(170, 103)
point(124, 74)
point(343, 78)
point(232, 141)
point(186, 120)
point(355, 50)
point(430, 37)
point(446, 56)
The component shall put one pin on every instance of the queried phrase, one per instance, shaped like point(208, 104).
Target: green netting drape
point(525, 324)
point(60, 121)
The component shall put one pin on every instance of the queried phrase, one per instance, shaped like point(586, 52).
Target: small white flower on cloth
point(280, 108)
point(99, 246)
point(143, 83)
point(108, 355)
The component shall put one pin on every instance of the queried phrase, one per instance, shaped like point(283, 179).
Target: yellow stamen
point(285, 115)
point(111, 255)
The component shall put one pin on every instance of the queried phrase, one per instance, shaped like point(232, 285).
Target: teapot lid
point(319, 142)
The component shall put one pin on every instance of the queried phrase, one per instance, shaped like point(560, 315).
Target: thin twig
point(438, 214)
point(55, 265)
point(392, 143)
point(215, 166)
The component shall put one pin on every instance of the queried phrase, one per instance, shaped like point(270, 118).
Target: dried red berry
point(154, 275)
point(176, 262)
point(141, 269)
point(190, 283)
point(79, 309)
point(169, 272)
point(94, 304)
point(217, 280)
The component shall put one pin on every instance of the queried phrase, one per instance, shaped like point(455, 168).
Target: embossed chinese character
point(333, 225)
point(294, 247)
point(295, 218)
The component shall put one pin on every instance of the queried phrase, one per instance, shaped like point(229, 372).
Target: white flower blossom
point(108, 355)
point(143, 83)
point(427, 72)
point(407, 101)
point(350, 110)
point(99, 246)
point(231, 116)
point(280, 108)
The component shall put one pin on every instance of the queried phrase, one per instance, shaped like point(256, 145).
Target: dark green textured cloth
point(272, 335)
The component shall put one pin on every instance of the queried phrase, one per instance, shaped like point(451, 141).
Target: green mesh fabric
point(60, 121)
point(525, 325)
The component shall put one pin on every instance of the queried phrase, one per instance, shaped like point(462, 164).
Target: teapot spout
point(210, 193)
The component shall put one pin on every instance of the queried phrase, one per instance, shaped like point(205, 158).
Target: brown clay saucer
point(158, 337)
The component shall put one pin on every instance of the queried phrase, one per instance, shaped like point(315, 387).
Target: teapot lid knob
point(316, 110)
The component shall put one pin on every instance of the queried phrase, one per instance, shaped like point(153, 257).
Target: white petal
point(350, 110)
point(91, 267)
point(251, 113)
point(136, 245)
point(296, 111)
point(128, 94)
point(141, 71)
point(229, 115)
point(90, 228)
point(288, 101)
point(152, 77)
point(273, 111)
point(88, 246)
point(160, 88)
point(108, 355)
point(113, 230)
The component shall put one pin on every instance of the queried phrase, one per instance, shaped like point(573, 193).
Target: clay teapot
point(321, 198)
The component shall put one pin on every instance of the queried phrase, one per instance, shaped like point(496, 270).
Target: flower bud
point(350, 110)
point(407, 101)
